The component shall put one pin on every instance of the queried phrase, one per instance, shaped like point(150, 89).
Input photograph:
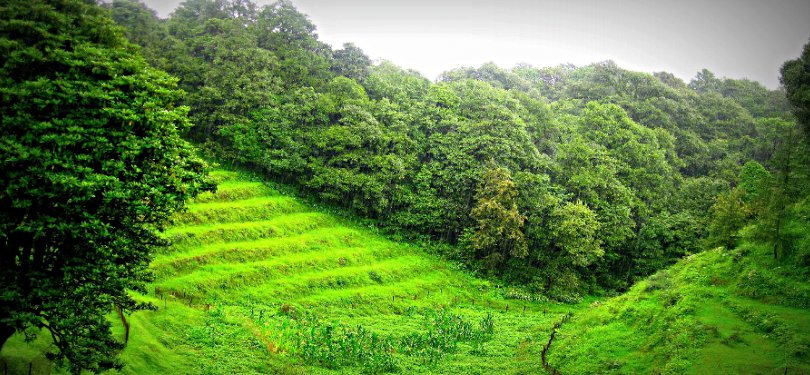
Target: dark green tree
point(217, 58)
point(796, 79)
point(91, 168)
point(790, 165)
point(351, 62)
point(705, 81)
point(143, 27)
point(755, 180)
point(729, 215)
point(290, 36)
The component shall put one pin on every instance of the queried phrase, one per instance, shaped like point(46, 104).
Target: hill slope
point(723, 312)
point(257, 281)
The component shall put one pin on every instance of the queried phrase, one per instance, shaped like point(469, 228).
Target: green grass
point(712, 312)
point(251, 271)
point(258, 281)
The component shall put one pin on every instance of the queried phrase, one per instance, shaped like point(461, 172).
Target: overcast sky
point(733, 38)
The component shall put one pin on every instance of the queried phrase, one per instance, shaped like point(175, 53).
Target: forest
point(591, 193)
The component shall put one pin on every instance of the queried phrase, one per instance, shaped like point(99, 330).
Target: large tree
point(91, 168)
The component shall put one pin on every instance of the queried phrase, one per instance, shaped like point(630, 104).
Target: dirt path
point(551, 370)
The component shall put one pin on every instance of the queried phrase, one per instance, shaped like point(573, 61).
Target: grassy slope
point(720, 312)
point(248, 262)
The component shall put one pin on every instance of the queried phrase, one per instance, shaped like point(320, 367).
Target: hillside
point(564, 180)
point(722, 312)
point(255, 278)
point(560, 219)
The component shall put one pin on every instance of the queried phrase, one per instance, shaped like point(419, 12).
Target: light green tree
point(576, 234)
point(498, 232)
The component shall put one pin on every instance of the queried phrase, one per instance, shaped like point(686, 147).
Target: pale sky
point(732, 38)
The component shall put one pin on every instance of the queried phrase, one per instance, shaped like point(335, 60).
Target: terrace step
point(249, 209)
point(292, 224)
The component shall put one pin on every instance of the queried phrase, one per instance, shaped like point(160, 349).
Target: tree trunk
point(124, 322)
point(5, 333)
point(782, 196)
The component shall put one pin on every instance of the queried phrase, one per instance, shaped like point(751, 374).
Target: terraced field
point(257, 281)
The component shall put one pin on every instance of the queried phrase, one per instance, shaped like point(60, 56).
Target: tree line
point(567, 179)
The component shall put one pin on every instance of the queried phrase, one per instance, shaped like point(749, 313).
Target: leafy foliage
point(498, 235)
point(795, 76)
point(634, 149)
point(644, 154)
point(335, 346)
point(92, 169)
point(575, 233)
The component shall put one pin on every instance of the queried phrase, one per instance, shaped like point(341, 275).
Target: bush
point(374, 276)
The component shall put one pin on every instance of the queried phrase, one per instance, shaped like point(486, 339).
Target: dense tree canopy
point(92, 166)
point(604, 175)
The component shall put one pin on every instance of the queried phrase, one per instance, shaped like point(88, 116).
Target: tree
point(670, 80)
point(143, 27)
point(386, 80)
point(290, 36)
point(755, 181)
point(575, 233)
point(705, 81)
point(217, 58)
point(91, 168)
point(498, 234)
point(789, 158)
point(729, 215)
point(199, 11)
point(663, 239)
point(795, 76)
point(351, 62)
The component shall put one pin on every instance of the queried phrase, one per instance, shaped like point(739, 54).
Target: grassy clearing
point(260, 282)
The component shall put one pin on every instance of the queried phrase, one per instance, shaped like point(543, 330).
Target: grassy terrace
point(252, 273)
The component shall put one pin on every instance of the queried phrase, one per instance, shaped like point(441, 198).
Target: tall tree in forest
point(729, 215)
point(790, 159)
point(796, 79)
point(303, 59)
point(91, 168)
point(143, 27)
point(227, 76)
